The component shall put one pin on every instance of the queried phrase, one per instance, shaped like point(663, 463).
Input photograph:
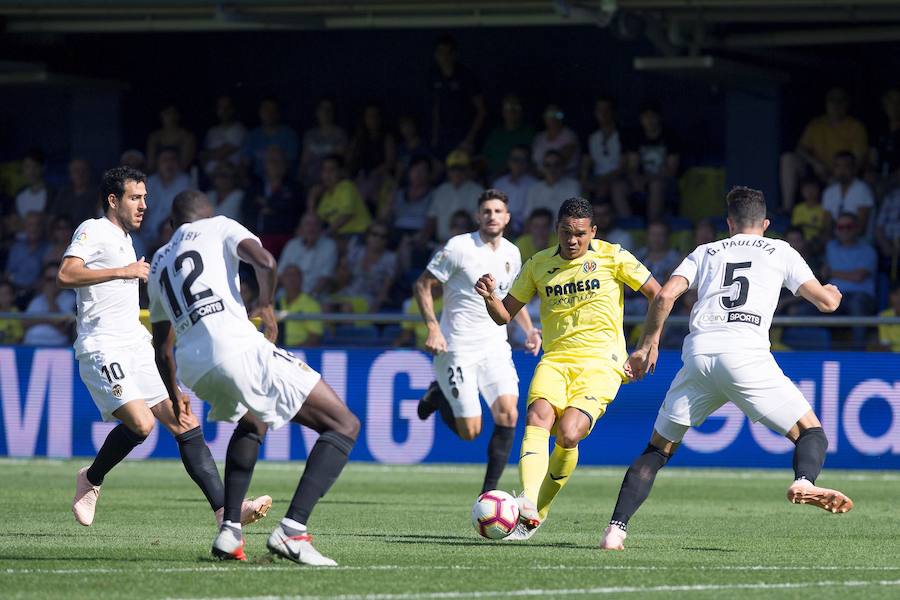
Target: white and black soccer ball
point(495, 514)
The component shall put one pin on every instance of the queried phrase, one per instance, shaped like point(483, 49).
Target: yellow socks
point(561, 465)
point(533, 460)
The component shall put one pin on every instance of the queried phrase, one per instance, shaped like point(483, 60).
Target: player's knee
point(506, 417)
point(469, 432)
point(142, 428)
point(568, 435)
point(348, 425)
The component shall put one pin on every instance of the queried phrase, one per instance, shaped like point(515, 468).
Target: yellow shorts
point(566, 380)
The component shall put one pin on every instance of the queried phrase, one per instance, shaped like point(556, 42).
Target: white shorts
point(752, 382)
point(462, 375)
point(117, 376)
point(269, 382)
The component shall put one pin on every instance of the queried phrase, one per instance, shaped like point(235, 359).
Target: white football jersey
point(465, 321)
point(194, 283)
point(108, 314)
point(738, 281)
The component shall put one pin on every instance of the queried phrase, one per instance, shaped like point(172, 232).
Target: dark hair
point(336, 159)
point(35, 154)
point(845, 154)
point(445, 39)
point(847, 215)
point(417, 159)
point(810, 180)
point(463, 214)
point(650, 105)
point(492, 194)
point(188, 206)
point(659, 223)
point(552, 152)
point(606, 100)
point(793, 229)
point(541, 212)
point(746, 206)
point(576, 208)
point(113, 182)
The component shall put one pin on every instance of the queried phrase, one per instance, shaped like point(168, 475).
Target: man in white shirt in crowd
point(223, 140)
point(51, 299)
point(311, 252)
point(604, 160)
point(162, 188)
point(726, 356)
point(554, 188)
point(115, 358)
point(849, 193)
point(459, 192)
point(515, 184)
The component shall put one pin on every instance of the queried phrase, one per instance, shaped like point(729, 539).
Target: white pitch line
point(242, 568)
point(576, 591)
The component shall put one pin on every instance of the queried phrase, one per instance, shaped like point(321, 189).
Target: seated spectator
point(461, 222)
point(365, 276)
point(515, 184)
point(414, 333)
point(35, 196)
point(658, 256)
point(605, 159)
point(276, 204)
point(788, 303)
point(411, 146)
point(162, 187)
point(409, 205)
point(373, 153)
point(704, 232)
point(459, 192)
point(884, 160)
point(226, 196)
point(604, 220)
point(556, 186)
point(337, 201)
point(224, 140)
point(10, 329)
point(79, 198)
point(887, 226)
point(322, 140)
point(271, 132)
point(61, 231)
point(889, 335)
point(315, 254)
point(652, 161)
point(508, 135)
point(539, 233)
point(558, 137)
point(51, 299)
point(851, 264)
point(810, 215)
point(133, 158)
point(848, 193)
point(171, 136)
point(823, 138)
point(26, 254)
point(292, 299)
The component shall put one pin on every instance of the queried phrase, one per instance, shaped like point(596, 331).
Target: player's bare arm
point(251, 252)
point(73, 274)
point(643, 360)
point(163, 350)
point(826, 298)
point(533, 334)
point(501, 311)
point(435, 342)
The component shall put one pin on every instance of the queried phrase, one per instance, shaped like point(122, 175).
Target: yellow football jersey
point(582, 300)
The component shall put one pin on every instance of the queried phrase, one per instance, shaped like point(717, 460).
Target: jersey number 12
point(190, 298)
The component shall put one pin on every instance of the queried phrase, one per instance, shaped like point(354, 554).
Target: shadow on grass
point(704, 549)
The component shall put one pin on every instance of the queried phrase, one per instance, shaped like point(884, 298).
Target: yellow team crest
point(589, 266)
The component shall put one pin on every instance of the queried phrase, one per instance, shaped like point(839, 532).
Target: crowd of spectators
point(354, 215)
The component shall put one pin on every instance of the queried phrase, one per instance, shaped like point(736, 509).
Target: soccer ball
point(495, 514)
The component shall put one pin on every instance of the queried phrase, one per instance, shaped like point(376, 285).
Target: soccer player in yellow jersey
point(580, 284)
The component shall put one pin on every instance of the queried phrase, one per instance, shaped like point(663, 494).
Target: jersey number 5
point(190, 298)
point(730, 280)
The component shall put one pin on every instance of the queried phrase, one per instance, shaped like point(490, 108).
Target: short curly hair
point(576, 208)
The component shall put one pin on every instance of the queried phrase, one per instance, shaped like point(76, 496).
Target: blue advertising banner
point(45, 410)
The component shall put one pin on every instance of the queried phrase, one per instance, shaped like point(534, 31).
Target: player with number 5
point(115, 357)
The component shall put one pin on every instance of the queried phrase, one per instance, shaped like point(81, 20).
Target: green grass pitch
point(404, 532)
